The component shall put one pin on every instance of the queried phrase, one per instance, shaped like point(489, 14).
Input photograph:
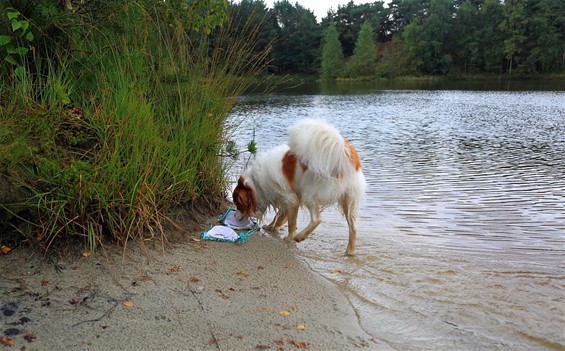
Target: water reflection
point(462, 231)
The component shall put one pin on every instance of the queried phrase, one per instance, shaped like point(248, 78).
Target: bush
point(109, 137)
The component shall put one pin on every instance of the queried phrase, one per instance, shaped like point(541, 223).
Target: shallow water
point(461, 235)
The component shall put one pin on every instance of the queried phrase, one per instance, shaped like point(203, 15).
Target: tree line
point(411, 37)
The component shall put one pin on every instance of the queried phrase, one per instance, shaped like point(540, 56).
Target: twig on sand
point(105, 314)
point(214, 339)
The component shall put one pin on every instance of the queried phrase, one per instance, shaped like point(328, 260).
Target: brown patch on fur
point(353, 155)
point(244, 198)
point(289, 162)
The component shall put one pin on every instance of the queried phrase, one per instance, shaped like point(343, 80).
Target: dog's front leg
point(292, 213)
point(278, 221)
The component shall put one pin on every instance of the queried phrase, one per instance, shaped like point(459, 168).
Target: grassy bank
point(106, 139)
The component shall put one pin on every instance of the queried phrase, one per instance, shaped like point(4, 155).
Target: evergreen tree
point(298, 38)
point(466, 51)
point(545, 43)
point(489, 37)
point(428, 40)
point(514, 28)
point(332, 53)
point(362, 62)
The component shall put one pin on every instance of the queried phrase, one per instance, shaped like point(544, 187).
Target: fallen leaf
point(5, 249)
point(293, 307)
point(222, 295)
point(194, 280)
point(127, 303)
point(242, 274)
point(289, 266)
point(29, 337)
point(238, 337)
point(74, 301)
point(300, 327)
point(260, 267)
point(86, 254)
point(175, 269)
point(284, 312)
point(262, 347)
point(196, 240)
point(298, 344)
point(6, 341)
point(336, 271)
point(44, 282)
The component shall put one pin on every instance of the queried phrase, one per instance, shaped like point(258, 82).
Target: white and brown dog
point(318, 168)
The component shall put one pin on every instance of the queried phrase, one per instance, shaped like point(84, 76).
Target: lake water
point(461, 235)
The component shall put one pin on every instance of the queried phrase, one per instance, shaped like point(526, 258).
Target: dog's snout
point(238, 215)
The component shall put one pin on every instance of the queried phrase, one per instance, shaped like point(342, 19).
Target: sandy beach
point(194, 295)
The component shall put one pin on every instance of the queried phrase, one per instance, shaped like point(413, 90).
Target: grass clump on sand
point(114, 120)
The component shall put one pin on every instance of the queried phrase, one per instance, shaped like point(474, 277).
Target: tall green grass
point(109, 141)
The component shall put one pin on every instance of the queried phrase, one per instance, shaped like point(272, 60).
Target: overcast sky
point(321, 7)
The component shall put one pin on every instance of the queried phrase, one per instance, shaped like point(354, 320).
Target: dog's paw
point(299, 238)
point(289, 238)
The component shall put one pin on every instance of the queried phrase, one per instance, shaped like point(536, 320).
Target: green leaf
point(29, 36)
point(24, 24)
point(20, 72)
point(4, 39)
point(252, 147)
point(16, 25)
point(11, 15)
point(10, 59)
point(18, 51)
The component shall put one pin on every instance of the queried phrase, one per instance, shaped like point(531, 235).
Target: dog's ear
point(251, 202)
point(244, 198)
point(241, 182)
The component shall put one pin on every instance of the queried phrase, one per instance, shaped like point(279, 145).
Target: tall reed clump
point(125, 130)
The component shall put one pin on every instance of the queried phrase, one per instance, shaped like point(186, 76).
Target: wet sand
point(196, 295)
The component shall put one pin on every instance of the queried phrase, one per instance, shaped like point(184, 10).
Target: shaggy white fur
point(317, 168)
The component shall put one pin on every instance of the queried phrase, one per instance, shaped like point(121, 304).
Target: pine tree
point(363, 61)
point(332, 53)
point(514, 27)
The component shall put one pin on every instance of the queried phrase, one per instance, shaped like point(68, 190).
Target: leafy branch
point(12, 52)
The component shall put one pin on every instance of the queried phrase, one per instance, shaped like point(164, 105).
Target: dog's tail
point(321, 148)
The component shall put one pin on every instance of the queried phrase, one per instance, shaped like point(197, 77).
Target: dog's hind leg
point(315, 219)
point(349, 208)
point(292, 213)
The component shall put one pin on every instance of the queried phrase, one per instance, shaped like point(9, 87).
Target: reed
point(124, 131)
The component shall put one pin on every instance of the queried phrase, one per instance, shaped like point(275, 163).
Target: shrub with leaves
point(109, 137)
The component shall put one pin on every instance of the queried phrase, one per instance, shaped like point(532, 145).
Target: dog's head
point(244, 199)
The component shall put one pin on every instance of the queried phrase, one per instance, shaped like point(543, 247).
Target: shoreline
point(195, 295)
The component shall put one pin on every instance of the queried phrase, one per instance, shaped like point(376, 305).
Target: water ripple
point(462, 231)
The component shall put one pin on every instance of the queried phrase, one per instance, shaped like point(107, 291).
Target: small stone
point(12, 332)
